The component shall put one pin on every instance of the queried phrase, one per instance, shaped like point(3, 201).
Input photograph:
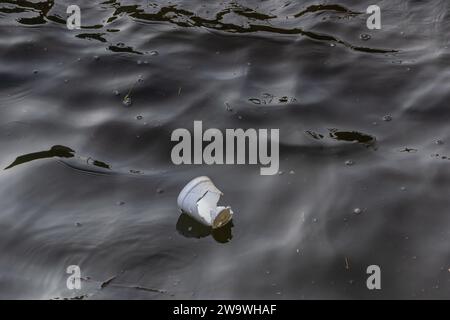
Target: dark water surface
point(364, 123)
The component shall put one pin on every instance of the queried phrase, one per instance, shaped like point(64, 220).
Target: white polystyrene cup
point(199, 200)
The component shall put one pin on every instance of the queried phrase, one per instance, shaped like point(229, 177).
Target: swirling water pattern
point(88, 180)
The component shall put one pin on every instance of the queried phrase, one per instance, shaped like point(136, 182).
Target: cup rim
point(191, 185)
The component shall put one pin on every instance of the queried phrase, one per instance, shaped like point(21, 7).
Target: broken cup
point(199, 200)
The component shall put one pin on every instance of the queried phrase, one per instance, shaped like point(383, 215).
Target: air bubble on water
point(403, 188)
point(387, 118)
point(349, 162)
point(96, 58)
point(357, 211)
point(154, 53)
point(365, 36)
point(315, 220)
point(116, 92)
point(139, 117)
point(292, 172)
point(332, 45)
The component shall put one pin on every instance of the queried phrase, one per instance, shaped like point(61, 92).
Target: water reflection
point(190, 228)
point(60, 152)
point(55, 151)
point(228, 20)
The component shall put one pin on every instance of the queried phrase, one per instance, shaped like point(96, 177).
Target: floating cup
point(199, 200)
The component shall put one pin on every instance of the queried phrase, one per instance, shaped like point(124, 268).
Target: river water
point(86, 118)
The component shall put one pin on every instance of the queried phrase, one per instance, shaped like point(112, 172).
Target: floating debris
point(357, 211)
point(199, 198)
point(107, 282)
point(349, 163)
point(228, 107)
point(315, 135)
point(268, 99)
point(127, 101)
point(406, 149)
point(365, 36)
point(387, 118)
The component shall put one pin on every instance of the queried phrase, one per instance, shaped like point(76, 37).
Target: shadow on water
point(190, 228)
